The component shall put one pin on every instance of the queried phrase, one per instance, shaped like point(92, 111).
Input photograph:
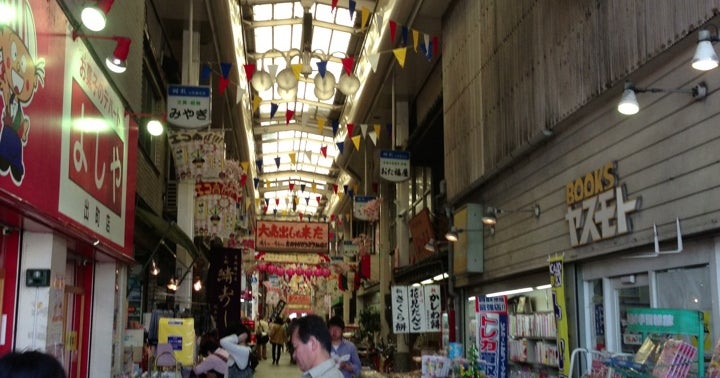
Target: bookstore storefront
point(681, 276)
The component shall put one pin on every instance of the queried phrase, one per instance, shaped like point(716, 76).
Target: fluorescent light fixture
point(510, 292)
point(427, 281)
point(543, 287)
point(439, 277)
point(416, 284)
point(471, 299)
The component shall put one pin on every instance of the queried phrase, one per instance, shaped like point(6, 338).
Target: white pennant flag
point(308, 154)
point(272, 69)
point(373, 137)
point(363, 129)
point(239, 95)
point(378, 22)
point(427, 42)
point(374, 60)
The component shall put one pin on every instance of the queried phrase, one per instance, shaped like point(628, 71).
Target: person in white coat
point(235, 344)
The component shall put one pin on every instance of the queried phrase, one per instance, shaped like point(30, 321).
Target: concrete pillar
point(185, 220)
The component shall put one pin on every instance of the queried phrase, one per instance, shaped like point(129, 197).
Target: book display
point(532, 345)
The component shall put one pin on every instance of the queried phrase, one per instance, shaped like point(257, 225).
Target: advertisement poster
point(292, 236)
point(180, 333)
point(557, 281)
point(400, 315)
point(492, 335)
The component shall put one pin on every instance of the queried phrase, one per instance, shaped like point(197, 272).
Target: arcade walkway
point(267, 370)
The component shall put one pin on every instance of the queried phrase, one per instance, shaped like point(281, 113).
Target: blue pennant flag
point(340, 146)
point(256, 181)
point(277, 162)
point(335, 125)
point(273, 109)
point(353, 3)
point(302, 188)
point(322, 68)
point(205, 73)
point(259, 164)
point(225, 69)
point(404, 35)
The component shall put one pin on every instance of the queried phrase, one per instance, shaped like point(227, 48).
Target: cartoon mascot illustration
point(20, 75)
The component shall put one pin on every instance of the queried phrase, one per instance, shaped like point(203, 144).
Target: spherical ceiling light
point(261, 81)
point(348, 85)
point(286, 79)
point(287, 94)
point(324, 86)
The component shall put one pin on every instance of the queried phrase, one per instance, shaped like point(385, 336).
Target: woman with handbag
point(277, 339)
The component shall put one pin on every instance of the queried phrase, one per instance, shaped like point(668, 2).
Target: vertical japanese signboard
point(395, 165)
point(188, 106)
point(557, 282)
point(433, 308)
point(492, 335)
point(224, 289)
point(416, 309)
point(400, 318)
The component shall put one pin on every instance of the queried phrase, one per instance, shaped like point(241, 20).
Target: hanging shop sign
point(492, 335)
point(188, 106)
point(293, 258)
point(197, 154)
point(557, 282)
point(217, 209)
point(416, 309)
point(223, 285)
point(395, 165)
point(597, 207)
point(292, 236)
point(366, 208)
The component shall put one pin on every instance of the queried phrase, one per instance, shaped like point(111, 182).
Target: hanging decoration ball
point(326, 272)
point(290, 272)
point(271, 269)
point(317, 272)
point(261, 267)
point(280, 271)
point(308, 272)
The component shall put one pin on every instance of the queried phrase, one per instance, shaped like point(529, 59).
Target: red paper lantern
point(280, 271)
point(271, 269)
point(290, 272)
point(325, 272)
point(317, 272)
point(261, 267)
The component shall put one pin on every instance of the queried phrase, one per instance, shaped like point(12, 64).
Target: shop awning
point(169, 231)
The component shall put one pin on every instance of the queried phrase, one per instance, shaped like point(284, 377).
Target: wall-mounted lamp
point(173, 284)
point(154, 269)
point(705, 57)
point(94, 14)
point(117, 62)
point(154, 125)
point(492, 213)
point(628, 102)
point(434, 245)
point(197, 286)
point(454, 232)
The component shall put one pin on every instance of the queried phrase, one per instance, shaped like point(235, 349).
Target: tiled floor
point(267, 370)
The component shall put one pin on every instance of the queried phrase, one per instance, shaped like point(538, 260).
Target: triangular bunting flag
point(318, 198)
point(243, 179)
point(400, 55)
point(416, 39)
point(307, 201)
point(350, 128)
point(393, 29)
point(335, 125)
point(256, 103)
point(365, 15)
point(296, 200)
point(275, 212)
point(373, 137)
point(225, 69)
point(313, 187)
point(322, 68)
point(323, 151)
point(351, 7)
point(277, 201)
point(277, 162)
point(321, 125)
point(267, 202)
point(272, 70)
point(333, 4)
point(259, 164)
point(289, 115)
point(335, 188)
point(376, 127)
point(404, 35)
point(292, 157)
point(257, 200)
point(374, 59)
point(256, 181)
point(249, 71)
point(291, 185)
point(222, 85)
point(273, 109)
point(378, 22)
point(296, 69)
point(363, 129)
point(244, 166)
point(302, 188)
point(348, 64)
point(340, 146)
point(205, 73)
point(356, 141)
point(340, 196)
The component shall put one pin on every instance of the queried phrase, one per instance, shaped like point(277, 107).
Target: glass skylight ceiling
point(277, 29)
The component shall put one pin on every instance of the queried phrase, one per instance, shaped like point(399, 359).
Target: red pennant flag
point(249, 71)
point(300, 215)
point(323, 149)
point(243, 179)
point(222, 85)
point(348, 64)
point(292, 186)
point(318, 198)
point(333, 4)
point(335, 187)
point(393, 29)
point(277, 201)
point(332, 217)
point(350, 128)
point(289, 115)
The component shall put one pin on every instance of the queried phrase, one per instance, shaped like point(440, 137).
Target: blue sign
point(188, 106)
point(395, 165)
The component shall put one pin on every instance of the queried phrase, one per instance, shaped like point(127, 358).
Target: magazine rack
point(666, 321)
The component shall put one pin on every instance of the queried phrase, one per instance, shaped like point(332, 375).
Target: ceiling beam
point(302, 176)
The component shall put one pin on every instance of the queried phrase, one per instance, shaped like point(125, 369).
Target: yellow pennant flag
point(297, 68)
point(365, 13)
point(292, 157)
point(296, 200)
point(416, 38)
point(314, 187)
point(356, 141)
point(340, 195)
point(247, 203)
point(356, 188)
point(267, 183)
point(321, 125)
point(257, 201)
point(400, 53)
point(256, 103)
point(244, 166)
point(377, 130)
